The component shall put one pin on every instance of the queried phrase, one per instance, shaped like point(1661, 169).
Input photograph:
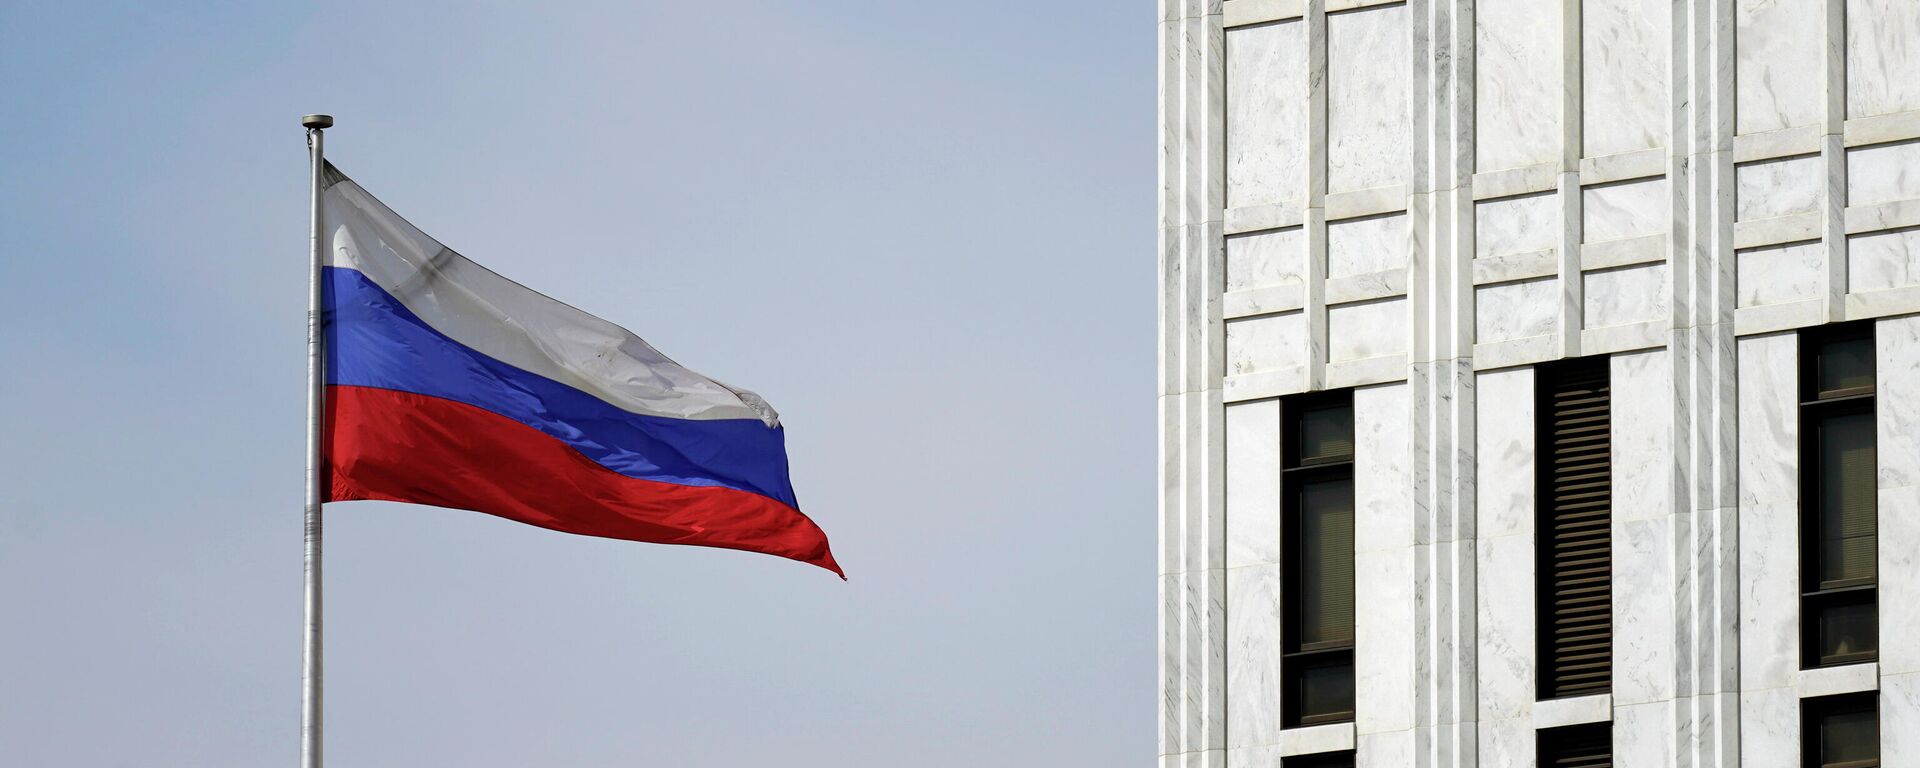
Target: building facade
point(1540, 383)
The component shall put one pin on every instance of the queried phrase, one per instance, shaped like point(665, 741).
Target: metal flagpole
point(310, 684)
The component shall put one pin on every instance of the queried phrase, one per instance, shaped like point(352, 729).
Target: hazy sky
point(924, 231)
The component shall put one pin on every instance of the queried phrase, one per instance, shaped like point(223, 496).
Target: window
point(1577, 746)
point(1573, 528)
point(1840, 731)
point(1317, 548)
point(1838, 504)
point(1324, 760)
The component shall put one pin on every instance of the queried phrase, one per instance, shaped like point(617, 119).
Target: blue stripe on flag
point(372, 340)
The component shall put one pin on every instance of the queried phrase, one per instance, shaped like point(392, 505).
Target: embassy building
point(1540, 383)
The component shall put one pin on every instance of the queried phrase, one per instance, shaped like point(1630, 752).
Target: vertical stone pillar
point(1192, 441)
point(1703, 271)
point(1441, 379)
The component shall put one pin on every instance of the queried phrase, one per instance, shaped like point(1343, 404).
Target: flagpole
point(310, 681)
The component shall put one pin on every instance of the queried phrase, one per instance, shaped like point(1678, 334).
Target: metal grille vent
point(1575, 530)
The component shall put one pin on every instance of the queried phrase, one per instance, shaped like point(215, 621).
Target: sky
point(923, 231)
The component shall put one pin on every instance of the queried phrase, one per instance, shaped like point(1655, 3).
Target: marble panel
point(1253, 483)
point(1392, 749)
point(1878, 261)
point(1642, 435)
point(1900, 719)
point(1625, 295)
point(1573, 710)
point(1253, 656)
point(1171, 590)
point(1317, 739)
point(1384, 563)
point(1883, 173)
point(1505, 743)
point(1643, 620)
point(1510, 225)
point(1372, 244)
point(1206, 654)
point(1897, 416)
point(1883, 303)
point(1897, 401)
point(1625, 209)
point(1518, 310)
point(1506, 619)
point(1518, 83)
point(1368, 79)
point(1769, 454)
point(1264, 259)
point(1643, 735)
point(1266, 343)
point(1643, 507)
point(1778, 79)
point(1772, 188)
point(1266, 756)
point(1769, 728)
point(1781, 273)
point(1368, 329)
point(1836, 680)
point(1503, 451)
point(1883, 55)
point(1266, 113)
point(1383, 648)
point(1624, 75)
point(1382, 468)
point(1899, 564)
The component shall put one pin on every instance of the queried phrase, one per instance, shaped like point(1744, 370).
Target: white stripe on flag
point(515, 324)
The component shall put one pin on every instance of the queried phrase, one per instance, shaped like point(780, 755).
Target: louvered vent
point(1578, 746)
point(1575, 541)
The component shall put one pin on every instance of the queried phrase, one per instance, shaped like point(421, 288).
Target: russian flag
point(450, 385)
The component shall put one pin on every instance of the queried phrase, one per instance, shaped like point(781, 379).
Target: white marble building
point(1420, 201)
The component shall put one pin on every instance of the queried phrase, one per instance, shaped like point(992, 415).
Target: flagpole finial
point(317, 121)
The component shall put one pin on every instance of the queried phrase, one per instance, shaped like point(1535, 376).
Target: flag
point(447, 384)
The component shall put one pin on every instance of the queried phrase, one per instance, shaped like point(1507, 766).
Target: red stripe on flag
point(399, 446)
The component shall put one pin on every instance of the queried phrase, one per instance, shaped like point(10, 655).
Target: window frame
point(1814, 710)
point(1296, 474)
point(1816, 407)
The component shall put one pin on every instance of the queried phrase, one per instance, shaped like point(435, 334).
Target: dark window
point(1573, 528)
point(1838, 504)
point(1577, 746)
point(1317, 542)
point(1326, 760)
point(1840, 731)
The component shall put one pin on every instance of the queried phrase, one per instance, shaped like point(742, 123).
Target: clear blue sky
point(924, 231)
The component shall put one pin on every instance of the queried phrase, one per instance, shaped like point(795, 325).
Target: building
point(1540, 383)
